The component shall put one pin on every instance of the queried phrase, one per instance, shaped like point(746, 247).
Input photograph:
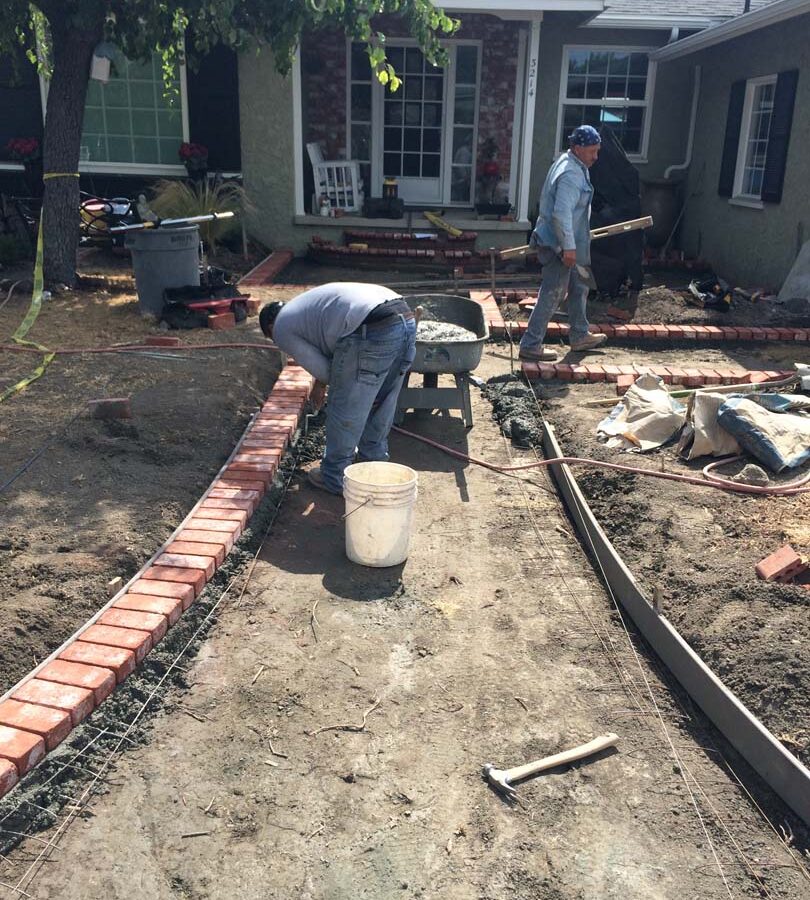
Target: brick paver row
point(499, 327)
point(268, 268)
point(624, 375)
point(45, 706)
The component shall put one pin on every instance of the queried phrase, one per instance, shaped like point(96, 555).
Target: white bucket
point(380, 498)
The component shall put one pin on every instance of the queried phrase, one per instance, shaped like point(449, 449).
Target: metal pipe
point(162, 223)
point(692, 119)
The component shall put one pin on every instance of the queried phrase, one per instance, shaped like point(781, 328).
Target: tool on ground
point(438, 222)
point(596, 234)
point(163, 223)
point(501, 779)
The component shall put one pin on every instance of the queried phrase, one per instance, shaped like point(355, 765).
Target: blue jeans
point(368, 368)
point(557, 280)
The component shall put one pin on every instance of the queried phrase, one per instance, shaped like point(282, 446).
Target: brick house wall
point(323, 69)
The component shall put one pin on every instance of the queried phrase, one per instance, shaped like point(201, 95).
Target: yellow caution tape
point(33, 310)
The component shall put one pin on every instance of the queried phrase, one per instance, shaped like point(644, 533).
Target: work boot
point(315, 478)
point(591, 342)
point(539, 354)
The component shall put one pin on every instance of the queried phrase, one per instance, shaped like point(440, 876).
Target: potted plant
point(195, 159)
point(489, 176)
point(28, 152)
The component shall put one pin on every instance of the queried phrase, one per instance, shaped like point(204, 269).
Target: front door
point(424, 134)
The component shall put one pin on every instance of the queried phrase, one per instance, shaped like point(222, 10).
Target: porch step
point(403, 240)
point(435, 258)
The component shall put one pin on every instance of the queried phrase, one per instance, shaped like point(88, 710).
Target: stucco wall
point(265, 110)
point(749, 246)
point(670, 104)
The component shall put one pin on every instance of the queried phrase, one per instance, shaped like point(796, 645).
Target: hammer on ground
point(501, 779)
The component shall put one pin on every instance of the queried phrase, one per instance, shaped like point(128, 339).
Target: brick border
point(40, 711)
point(624, 376)
point(499, 327)
point(268, 268)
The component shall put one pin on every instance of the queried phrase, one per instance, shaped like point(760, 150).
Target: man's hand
point(318, 395)
point(569, 258)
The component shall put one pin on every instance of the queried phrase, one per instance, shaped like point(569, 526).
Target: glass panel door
point(464, 125)
point(412, 126)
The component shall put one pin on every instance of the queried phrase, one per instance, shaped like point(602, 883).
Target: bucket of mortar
point(380, 497)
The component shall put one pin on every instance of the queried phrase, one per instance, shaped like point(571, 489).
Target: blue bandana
point(584, 136)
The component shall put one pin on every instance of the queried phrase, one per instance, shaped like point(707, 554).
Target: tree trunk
point(74, 40)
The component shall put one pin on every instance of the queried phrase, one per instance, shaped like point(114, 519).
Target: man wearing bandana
point(563, 241)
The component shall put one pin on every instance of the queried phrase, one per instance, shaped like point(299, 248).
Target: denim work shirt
point(564, 222)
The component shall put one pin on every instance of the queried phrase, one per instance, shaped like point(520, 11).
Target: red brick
point(21, 748)
point(211, 538)
point(624, 382)
point(563, 371)
point(801, 334)
point(235, 494)
point(170, 589)
point(711, 377)
point(620, 331)
point(530, 370)
point(757, 377)
point(635, 332)
point(211, 511)
point(253, 464)
point(270, 446)
point(674, 332)
point(579, 373)
point(612, 373)
point(627, 370)
point(678, 375)
point(139, 642)
point(77, 702)
point(155, 625)
point(595, 373)
point(204, 523)
point(233, 483)
point(195, 577)
point(263, 475)
point(693, 377)
point(8, 776)
point(701, 332)
point(714, 333)
point(546, 371)
point(663, 373)
point(783, 565)
point(170, 607)
point(162, 340)
point(728, 376)
point(253, 306)
point(662, 332)
point(771, 334)
point(100, 681)
point(689, 332)
point(52, 725)
point(194, 548)
point(222, 321)
point(729, 333)
point(119, 661)
point(744, 334)
point(247, 506)
point(619, 313)
point(758, 334)
point(607, 329)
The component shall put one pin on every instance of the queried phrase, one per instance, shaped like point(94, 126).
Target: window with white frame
point(754, 134)
point(133, 118)
point(607, 86)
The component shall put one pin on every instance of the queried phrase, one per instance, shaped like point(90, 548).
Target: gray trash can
point(163, 258)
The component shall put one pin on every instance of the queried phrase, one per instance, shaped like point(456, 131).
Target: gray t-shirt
point(310, 325)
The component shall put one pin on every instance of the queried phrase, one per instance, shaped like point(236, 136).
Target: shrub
point(12, 250)
point(182, 199)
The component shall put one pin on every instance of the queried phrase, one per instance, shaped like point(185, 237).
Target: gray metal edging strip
point(760, 749)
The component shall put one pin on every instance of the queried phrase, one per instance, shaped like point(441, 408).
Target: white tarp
point(645, 418)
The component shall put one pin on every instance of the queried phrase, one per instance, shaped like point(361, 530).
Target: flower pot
point(197, 173)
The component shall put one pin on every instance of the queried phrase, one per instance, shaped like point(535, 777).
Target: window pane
point(413, 88)
point(430, 166)
point(413, 114)
point(595, 89)
point(392, 140)
point(118, 121)
point(434, 88)
point(361, 102)
point(433, 115)
point(396, 56)
point(618, 63)
point(636, 88)
point(361, 142)
point(410, 164)
point(393, 112)
point(392, 164)
point(576, 87)
point(466, 65)
point(465, 106)
point(142, 93)
point(431, 140)
point(361, 68)
point(144, 123)
point(115, 94)
point(462, 146)
point(617, 88)
point(578, 62)
point(638, 64)
point(460, 184)
point(412, 141)
point(414, 61)
point(598, 62)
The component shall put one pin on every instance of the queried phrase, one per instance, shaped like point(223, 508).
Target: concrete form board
point(778, 768)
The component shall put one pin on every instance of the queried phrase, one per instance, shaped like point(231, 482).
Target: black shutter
point(731, 143)
point(779, 135)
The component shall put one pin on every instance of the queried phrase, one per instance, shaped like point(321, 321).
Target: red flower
point(193, 152)
point(23, 149)
point(490, 168)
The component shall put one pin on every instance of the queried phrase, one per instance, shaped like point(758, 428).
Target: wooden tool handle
point(561, 759)
point(514, 251)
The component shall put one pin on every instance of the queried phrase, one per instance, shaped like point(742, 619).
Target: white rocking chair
point(338, 179)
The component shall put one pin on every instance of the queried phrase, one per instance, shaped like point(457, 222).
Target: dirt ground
point(319, 730)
